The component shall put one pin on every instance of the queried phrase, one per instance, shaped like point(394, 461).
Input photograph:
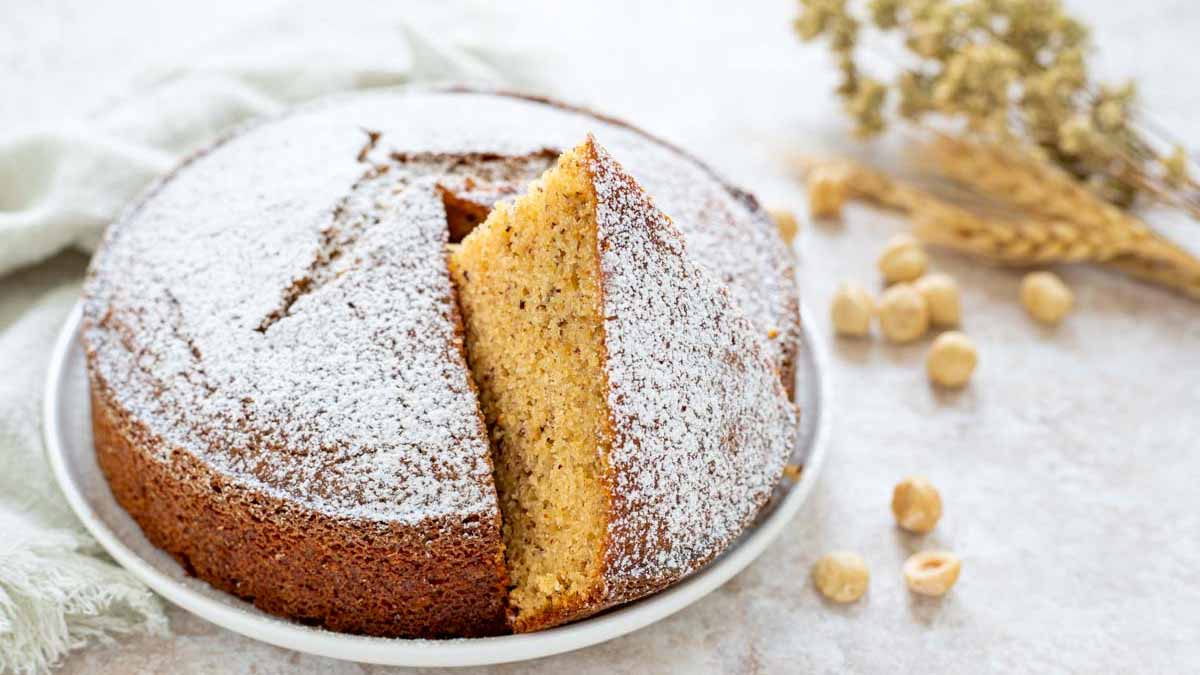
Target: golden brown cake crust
point(345, 575)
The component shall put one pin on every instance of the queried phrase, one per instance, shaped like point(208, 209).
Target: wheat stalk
point(1028, 242)
point(1185, 282)
point(1119, 241)
point(1018, 178)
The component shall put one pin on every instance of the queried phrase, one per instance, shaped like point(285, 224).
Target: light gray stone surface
point(1069, 467)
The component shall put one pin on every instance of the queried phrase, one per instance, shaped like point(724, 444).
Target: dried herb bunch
point(1006, 70)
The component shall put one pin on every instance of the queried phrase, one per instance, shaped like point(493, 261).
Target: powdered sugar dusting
point(260, 313)
point(726, 232)
point(355, 400)
point(702, 424)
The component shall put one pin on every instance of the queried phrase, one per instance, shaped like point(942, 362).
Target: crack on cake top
point(400, 440)
point(336, 245)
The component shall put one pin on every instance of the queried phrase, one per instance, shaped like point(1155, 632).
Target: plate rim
point(227, 612)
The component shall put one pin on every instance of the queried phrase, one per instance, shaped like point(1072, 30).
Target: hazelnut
point(932, 573)
point(793, 472)
point(852, 309)
point(903, 315)
point(916, 505)
point(828, 187)
point(941, 296)
point(1046, 297)
point(785, 221)
point(951, 360)
point(902, 259)
point(841, 576)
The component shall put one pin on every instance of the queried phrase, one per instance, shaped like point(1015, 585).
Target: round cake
point(280, 393)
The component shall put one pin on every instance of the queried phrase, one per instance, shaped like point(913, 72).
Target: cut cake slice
point(637, 427)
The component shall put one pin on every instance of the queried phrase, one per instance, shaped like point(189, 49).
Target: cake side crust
point(444, 578)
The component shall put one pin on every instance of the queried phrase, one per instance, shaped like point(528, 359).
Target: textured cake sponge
point(636, 425)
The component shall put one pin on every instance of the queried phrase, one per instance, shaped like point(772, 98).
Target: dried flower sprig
point(1008, 70)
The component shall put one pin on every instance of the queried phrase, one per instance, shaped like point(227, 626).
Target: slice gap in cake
point(636, 425)
point(529, 285)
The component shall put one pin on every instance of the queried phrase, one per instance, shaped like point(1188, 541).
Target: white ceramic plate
point(68, 435)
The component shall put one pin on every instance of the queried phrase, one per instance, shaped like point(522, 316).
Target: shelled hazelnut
point(941, 296)
point(841, 576)
point(1046, 297)
point(916, 505)
point(932, 573)
point(828, 188)
point(903, 259)
point(786, 222)
point(851, 310)
point(951, 360)
point(903, 315)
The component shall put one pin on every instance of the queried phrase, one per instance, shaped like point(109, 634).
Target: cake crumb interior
point(529, 288)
